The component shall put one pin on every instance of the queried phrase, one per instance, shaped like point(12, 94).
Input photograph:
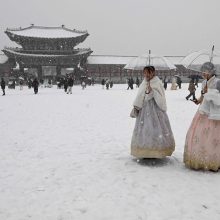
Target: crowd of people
point(65, 83)
point(106, 83)
point(130, 83)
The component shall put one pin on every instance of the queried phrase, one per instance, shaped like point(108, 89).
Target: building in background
point(112, 67)
point(6, 66)
point(47, 50)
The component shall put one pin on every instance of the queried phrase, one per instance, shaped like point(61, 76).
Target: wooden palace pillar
point(39, 72)
point(120, 72)
point(58, 70)
point(21, 69)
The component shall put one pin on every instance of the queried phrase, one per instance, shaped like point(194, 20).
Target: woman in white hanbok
point(152, 135)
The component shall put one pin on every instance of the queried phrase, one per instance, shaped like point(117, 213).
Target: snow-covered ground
point(67, 157)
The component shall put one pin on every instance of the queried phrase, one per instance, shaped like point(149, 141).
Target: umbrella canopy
point(195, 60)
point(177, 76)
point(159, 62)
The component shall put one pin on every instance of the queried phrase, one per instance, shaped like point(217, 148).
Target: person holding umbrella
point(202, 144)
point(152, 136)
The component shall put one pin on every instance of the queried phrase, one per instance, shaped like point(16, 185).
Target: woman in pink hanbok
point(202, 145)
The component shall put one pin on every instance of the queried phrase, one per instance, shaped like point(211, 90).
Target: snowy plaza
point(67, 157)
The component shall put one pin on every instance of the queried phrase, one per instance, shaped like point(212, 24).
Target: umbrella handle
point(148, 88)
point(149, 56)
point(211, 57)
point(205, 89)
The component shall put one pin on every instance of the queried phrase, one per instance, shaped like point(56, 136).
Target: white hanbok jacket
point(211, 101)
point(157, 93)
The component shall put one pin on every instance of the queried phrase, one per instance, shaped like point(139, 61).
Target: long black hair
point(150, 69)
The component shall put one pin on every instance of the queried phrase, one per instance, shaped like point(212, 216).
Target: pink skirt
point(202, 146)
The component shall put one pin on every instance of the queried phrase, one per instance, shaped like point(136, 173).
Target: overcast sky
point(123, 27)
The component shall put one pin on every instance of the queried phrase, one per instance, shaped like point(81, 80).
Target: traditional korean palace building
point(47, 47)
point(50, 51)
point(6, 65)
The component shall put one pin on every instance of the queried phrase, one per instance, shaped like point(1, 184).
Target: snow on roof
point(104, 59)
point(123, 60)
point(3, 58)
point(47, 32)
point(80, 52)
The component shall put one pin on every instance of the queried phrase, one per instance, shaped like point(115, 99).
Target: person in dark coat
point(103, 83)
point(70, 85)
point(128, 82)
point(35, 84)
point(165, 82)
point(111, 84)
point(137, 82)
point(3, 86)
point(131, 84)
point(179, 82)
point(192, 90)
point(29, 84)
point(50, 83)
point(21, 84)
point(65, 84)
point(107, 83)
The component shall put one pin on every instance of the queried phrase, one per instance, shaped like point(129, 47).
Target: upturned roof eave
point(14, 53)
point(12, 36)
point(18, 32)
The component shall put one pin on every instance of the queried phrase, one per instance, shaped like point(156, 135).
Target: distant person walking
point(83, 84)
point(174, 85)
point(179, 82)
point(70, 85)
point(165, 82)
point(130, 82)
point(107, 84)
point(21, 84)
point(35, 84)
point(65, 84)
point(192, 90)
point(29, 83)
point(137, 82)
point(3, 86)
point(111, 84)
point(103, 83)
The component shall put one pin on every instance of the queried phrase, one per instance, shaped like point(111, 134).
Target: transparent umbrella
point(159, 62)
point(194, 61)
